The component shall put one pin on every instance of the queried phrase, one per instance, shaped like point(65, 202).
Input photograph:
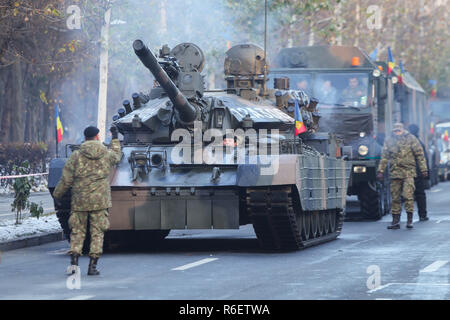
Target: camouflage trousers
point(98, 224)
point(402, 188)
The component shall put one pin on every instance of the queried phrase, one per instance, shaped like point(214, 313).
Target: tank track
point(274, 213)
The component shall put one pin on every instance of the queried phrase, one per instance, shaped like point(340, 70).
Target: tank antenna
point(265, 48)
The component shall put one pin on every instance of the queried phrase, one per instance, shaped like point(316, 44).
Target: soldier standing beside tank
point(402, 151)
point(419, 181)
point(87, 173)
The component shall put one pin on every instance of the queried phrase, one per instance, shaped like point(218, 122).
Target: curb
point(32, 241)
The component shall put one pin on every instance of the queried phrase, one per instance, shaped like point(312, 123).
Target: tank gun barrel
point(187, 112)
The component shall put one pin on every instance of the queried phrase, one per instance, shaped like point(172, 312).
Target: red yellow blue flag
point(299, 125)
point(391, 63)
point(59, 127)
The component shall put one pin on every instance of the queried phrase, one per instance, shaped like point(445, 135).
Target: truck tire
point(372, 200)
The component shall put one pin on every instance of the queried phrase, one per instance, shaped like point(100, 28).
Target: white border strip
point(434, 266)
point(195, 264)
point(24, 175)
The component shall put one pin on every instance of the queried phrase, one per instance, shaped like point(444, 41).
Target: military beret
point(91, 132)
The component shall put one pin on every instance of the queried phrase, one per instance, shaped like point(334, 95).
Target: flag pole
point(56, 129)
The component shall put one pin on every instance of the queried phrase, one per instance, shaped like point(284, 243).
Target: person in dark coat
point(419, 181)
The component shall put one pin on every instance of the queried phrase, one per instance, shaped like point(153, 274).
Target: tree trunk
point(17, 129)
point(6, 114)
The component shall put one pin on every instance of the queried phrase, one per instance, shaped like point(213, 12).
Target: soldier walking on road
point(420, 182)
point(402, 150)
point(87, 173)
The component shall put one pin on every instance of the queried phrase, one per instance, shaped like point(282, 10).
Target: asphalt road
point(41, 198)
point(366, 262)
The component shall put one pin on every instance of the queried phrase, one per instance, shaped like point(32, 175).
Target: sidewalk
point(30, 232)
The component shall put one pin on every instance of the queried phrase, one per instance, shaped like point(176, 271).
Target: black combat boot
point(409, 223)
point(424, 218)
point(395, 222)
point(72, 269)
point(74, 259)
point(92, 271)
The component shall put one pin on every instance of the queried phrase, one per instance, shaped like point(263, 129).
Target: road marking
point(410, 284)
point(81, 298)
point(380, 287)
point(437, 190)
point(195, 264)
point(434, 266)
point(62, 251)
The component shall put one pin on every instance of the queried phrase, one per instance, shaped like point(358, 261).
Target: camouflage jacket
point(403, 152)
point(353, 93)
point(87, 172)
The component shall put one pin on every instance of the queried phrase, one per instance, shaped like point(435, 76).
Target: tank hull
point(300, 203)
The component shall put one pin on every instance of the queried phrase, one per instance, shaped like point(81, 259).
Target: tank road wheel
point(320, 224)
point(326, 222)
point(314, 224)
point(332, 221)
point(371, 200)
point(306, 225)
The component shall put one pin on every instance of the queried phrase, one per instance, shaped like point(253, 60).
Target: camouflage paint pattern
point(98, 224)
point(87, 173)
point(402, 152)
point(402, 188)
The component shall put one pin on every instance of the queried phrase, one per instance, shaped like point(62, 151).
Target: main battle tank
point(217, 160)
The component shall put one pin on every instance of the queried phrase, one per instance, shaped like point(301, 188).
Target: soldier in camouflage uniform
point(402, 150)
point(87, 173)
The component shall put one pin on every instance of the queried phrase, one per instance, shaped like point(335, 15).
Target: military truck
point(352, 94)
point(440, 117)
point(407, 103)
point(218, 160)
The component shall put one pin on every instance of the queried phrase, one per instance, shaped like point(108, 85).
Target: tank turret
point(187, 112)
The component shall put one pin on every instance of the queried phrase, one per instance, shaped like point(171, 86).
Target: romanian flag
point(432, 128)
point(400, 75)
point(446, 136)
point(391, 63)
point(299, 125)
point(59, 127)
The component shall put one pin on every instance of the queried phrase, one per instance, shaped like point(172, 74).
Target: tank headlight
point(363, 150)
point(376, 73)
point(394, 80)
point(156, 160)
point(362, 134)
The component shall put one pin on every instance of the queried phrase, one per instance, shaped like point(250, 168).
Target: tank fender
point(283, 173)
point(55, 171)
